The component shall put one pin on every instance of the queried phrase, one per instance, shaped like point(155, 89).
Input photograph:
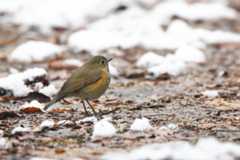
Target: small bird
point(87, 82)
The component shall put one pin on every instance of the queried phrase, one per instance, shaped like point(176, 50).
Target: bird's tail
point(54, 100)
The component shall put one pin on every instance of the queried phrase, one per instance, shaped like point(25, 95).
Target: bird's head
point(100, 61)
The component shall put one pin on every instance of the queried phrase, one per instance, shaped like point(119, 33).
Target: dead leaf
point(32, 107)
point(6, 98)
point(59, 151)
point(31, 110)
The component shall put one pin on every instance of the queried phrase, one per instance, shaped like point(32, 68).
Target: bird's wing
point(78, 80)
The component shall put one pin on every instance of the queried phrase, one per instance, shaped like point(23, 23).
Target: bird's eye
point(102, 62)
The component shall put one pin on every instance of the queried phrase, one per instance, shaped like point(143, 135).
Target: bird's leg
point(94, 112)
point(85, 109)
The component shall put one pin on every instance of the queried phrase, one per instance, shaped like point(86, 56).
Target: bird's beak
point(109, 59)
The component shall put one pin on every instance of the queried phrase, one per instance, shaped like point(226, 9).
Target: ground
point(168, 99)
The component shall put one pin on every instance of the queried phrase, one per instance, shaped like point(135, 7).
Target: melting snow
point(49, 90)
point(146, 30)
point(21, 130)
point(150, 59)
point(16, 82)
point(195, 11)
point(4, 143)
point(217, 36)
point(210, 93)
point(49, 123)
point(141, 124)
point(127, 34)
point(34, 51)
point(33, 103)
point(69, 13)
point(170, 65)
point(206, 148)
point(103, 128)
point(64, 122)
point(98, 38)
point(1, 133)
point(55, 13)
point(190, 54)
point(170, 126)
point(173, 64)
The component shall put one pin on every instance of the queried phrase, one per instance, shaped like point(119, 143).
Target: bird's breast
point(97, 88)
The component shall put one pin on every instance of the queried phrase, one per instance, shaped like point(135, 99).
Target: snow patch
point(190, 54)
point(16, 82)
point(170, 65)
point(197, 37)
point(1, 133)
point(146, 31)
point(210, 93)
point(32, 104)
point(64, 13)
point(13, 70)
point(64, 122)
point(170, 126)
point(109, 33)
point(173, 64)
point(4, 143)
point(47, 124)
point(193, 12)
point(218, 36)
point(149, 59)
point(141, 124)
point(49, 90)
point(32, 51)
point(103, 128)
point(69, 13)
point(214, 11)
point(206, 148)
point(92, 41)
point(21, 130)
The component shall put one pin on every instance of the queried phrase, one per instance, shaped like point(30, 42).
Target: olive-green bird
point(87, 82)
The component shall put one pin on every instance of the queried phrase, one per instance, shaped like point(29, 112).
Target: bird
point(87, 82)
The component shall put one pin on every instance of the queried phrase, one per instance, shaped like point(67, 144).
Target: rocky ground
point(175, 100)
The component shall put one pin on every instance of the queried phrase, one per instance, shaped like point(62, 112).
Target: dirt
point(168, 99)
